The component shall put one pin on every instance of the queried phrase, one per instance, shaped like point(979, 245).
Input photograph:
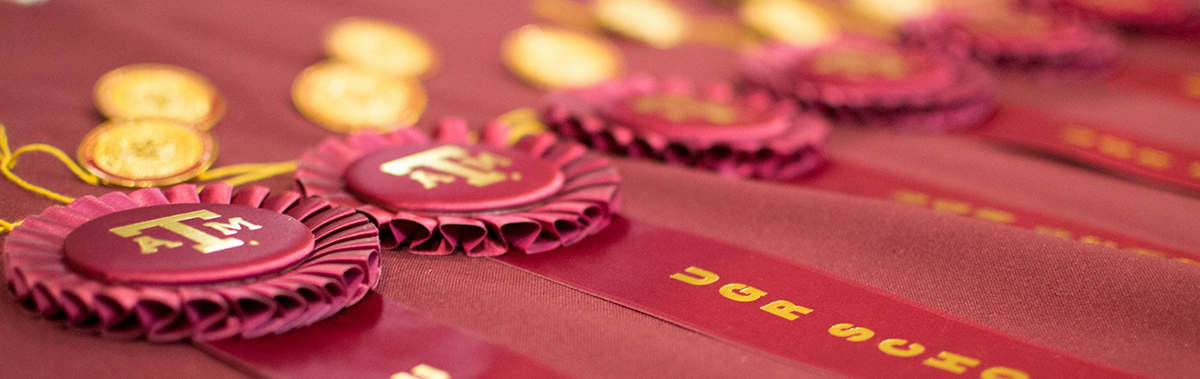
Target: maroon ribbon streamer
point(377, 338)
point(790, 311)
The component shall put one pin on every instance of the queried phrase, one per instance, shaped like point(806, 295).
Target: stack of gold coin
point(369, 81)
point(157, 133)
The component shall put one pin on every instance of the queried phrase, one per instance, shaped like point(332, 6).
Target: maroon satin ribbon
point(790, 311)
point(1165, 82)
point(1096, 144)
point(377, 338)
point(861, 181)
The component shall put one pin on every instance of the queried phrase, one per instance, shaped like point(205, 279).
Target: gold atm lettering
point(679, 108)
point(742, 293)
point(449, 163)
point(204, 242)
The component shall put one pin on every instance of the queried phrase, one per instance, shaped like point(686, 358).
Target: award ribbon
point(861, 181)
point(1095, 144)
point(390, 341)
point(791, 311)
point(1170, 83)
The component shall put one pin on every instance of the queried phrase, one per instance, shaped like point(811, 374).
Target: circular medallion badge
point(870, 82)
point(177, 263)
point(159, 91)
point(674, 121)
point(379, 46)
point(451, 178)
point(180, 244)
point(346, 99)
point(444, 193)
point(146, 152)
point(559, 58)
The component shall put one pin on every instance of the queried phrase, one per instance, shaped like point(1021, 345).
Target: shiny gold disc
point(794, 22)
point(549, 57)
point(345, 98)
point(894, 12)
point(655, 22)
point(150, 90)
point(379, 46)
point(146, 152)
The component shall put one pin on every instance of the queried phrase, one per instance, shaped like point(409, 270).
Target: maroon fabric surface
point(33, 348)
point(1135, 313)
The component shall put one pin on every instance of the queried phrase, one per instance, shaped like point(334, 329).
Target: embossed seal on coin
point(159, 91)
point(146, 152)
point(551, 57)
point(346, 99)
point(379, 46)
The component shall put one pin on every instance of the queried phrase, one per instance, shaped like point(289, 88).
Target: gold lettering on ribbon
point(951, 362)
point(1000, 372)
point(892, 346)
point(741, 293)
point(422, 371)
point(859, 65)
point(1120, 148)
point(451, 163)
point(698, 277)
point(952, 206)
point(1191, 85)
point(786, 309)
point(205, 243)
point(678, 108)
point(851, 333)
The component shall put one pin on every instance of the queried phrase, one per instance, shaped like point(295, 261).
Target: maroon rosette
point(174, 264)
point(1023, 41)
point(874, 83)
point(673, 120)
point(1140, 15)
point(440, 193)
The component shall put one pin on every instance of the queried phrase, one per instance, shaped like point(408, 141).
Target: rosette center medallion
point(687, 116)
point(450, 177)
point(180, 244)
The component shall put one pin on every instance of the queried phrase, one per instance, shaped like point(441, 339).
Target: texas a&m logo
point(201, 239)
point(679, 108)
point(449, 163)
point(859, 65)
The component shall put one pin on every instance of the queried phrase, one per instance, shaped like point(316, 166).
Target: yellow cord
point(8, 159)
point(237, 174)
point(522, 122)
point(79, 172)
point(237, 169)
point(6, 226)
point(269, 170)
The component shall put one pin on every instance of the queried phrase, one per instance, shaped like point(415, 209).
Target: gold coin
point(146, 152)
point(550, 57)
point(345, 98)
point(655, 22)
point(379, 46)
point(150, 90)
point(894, 12)
point(792, 21)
